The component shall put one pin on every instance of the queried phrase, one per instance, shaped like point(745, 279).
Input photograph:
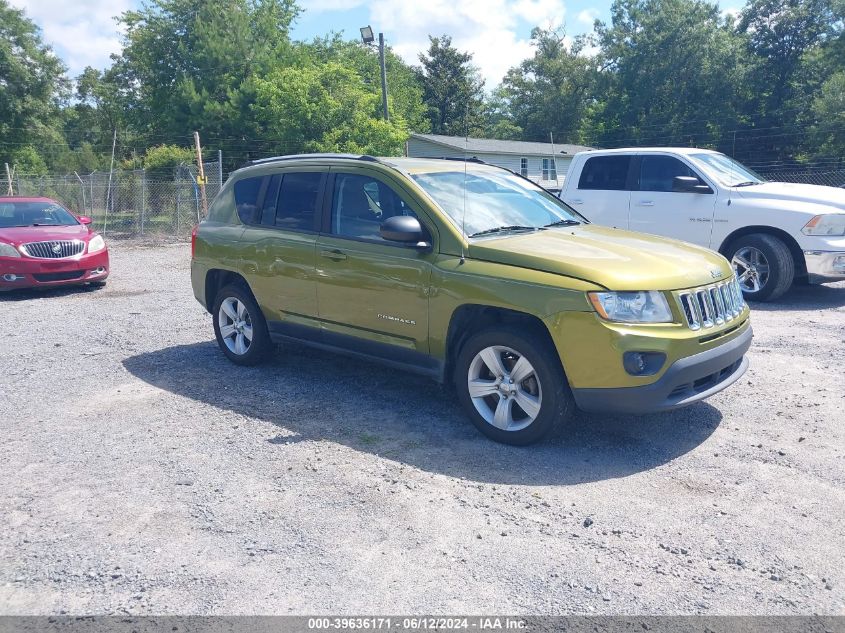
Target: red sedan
point(42, 244)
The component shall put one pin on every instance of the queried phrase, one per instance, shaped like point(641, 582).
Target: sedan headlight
point(7, 250)
point(96, 244)
point(831, 224)
point(632, 307)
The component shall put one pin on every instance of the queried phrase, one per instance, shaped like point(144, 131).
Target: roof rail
point(274, 159)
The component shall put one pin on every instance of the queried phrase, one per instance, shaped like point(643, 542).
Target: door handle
point(576, 201)
point(646, 203)
point(334, 255)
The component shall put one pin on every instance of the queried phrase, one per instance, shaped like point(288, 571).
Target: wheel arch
point(794, 249)
point(470, 318)
point(216, 279)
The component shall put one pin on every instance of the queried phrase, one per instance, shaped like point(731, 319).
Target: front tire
point(512, 387)
point(763, 265)
point(239, 326)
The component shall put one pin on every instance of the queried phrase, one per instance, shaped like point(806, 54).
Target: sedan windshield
point(34, 214)
point(726, 170)
point(486, 202)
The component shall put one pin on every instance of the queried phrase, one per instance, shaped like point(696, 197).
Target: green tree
point(829, 110)
point(32, 87)
point(325, 108)
point(551, 91)
point(193, 65)
point(672, 73)
point(405, 93)
point(452, 89)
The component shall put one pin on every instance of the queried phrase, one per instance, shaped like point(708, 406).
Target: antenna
point(466, 148)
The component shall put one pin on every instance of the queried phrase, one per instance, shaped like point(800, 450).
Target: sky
point(496, 32)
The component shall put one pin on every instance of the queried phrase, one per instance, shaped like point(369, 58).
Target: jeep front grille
point(711, 305)
point(57, 249)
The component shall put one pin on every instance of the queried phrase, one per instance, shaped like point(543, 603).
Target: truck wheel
point(763, 265)
point(239, 326)
point(512, 386)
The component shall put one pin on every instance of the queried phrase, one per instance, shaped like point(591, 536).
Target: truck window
point(658, 172)
point(605, 172)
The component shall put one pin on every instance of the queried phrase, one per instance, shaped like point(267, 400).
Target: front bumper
point(27, 272)
point(824, 266)
point(686, 381)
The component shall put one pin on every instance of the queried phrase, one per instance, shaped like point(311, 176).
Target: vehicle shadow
point(28, 294)
point(314, 395)
point(805, 298)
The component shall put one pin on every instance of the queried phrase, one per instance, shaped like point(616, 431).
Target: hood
point(613, 258)
point(22, 234)
point(794, 192)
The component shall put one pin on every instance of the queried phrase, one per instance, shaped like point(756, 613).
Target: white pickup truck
point(773, 233)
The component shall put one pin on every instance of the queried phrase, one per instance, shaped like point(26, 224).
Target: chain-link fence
point(831, 177)
point(134, 203)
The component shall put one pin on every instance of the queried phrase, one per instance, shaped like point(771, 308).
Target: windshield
point(726, 170)
point(495, 199)
point(34, 214)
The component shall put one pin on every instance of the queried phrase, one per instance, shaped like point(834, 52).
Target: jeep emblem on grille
point(57, 248)
point(715, 273)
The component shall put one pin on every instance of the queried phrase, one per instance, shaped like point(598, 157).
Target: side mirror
point(689, 184)
point(402, 228)
point(85, 220)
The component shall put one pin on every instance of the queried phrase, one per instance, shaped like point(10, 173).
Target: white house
point(543, 163)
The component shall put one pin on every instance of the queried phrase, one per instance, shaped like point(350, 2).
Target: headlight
point(632, 307)
point(832, 224)
point(7, 250)
point(97, 243)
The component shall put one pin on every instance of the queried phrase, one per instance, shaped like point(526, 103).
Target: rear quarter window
point(609, 173)
point(246, 198)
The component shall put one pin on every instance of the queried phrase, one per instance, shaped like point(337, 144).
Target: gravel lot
point(140, 472)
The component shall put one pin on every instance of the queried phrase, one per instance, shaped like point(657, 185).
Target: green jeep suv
point(471, 275)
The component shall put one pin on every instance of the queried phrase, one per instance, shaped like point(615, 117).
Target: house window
point(549, 169)
point(523, 167)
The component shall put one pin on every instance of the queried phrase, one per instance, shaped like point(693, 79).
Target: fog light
point(98, 271)
point(12, 277)
point(643, 363)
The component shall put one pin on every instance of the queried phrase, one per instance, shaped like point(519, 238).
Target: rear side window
point(605, 172)
point(246, 198)
point(297, 203)
point(657, 173)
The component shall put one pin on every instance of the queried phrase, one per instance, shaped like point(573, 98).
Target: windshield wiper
point(503, 229)
point(562, 223)
point(747, 183)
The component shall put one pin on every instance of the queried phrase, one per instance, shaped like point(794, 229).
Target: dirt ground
point(141, 472)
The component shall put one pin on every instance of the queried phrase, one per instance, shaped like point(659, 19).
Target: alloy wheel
point(752, 268)
point(235, 326)
point(504, 388)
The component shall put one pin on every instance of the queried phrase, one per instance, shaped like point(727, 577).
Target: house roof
point(494, 146)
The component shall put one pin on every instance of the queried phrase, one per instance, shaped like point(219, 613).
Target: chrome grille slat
point(711, 305)
point(54, 249)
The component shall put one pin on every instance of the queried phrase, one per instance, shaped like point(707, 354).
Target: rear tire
point(512, 386)
point(240, 327)
point(763, 265)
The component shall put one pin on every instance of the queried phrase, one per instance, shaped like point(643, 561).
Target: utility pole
point(201, 174)
point(368, 38)
point(383, 76)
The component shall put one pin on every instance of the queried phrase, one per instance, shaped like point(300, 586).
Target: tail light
point(194, 240)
